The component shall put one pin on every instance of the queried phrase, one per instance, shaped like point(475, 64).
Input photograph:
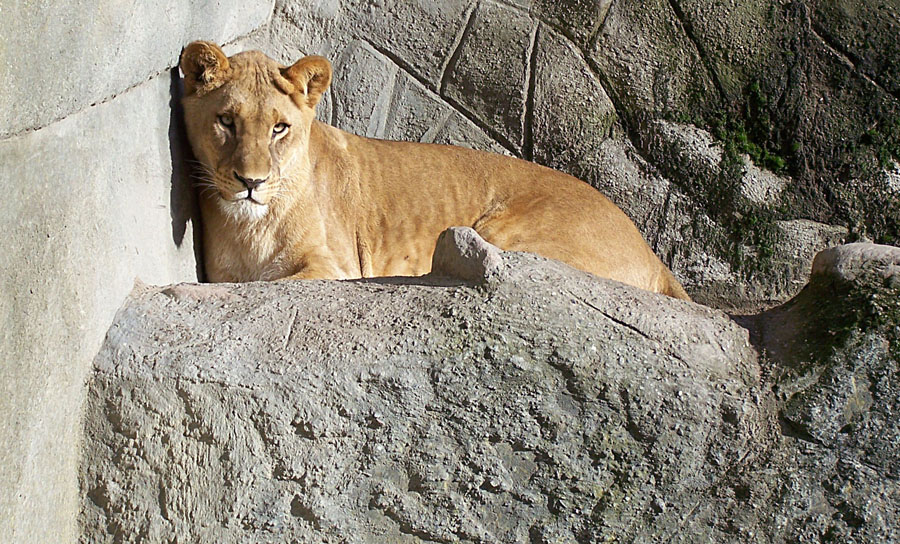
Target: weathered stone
point(740, 42)
point(90, 203)
point(461, 253)
point(651, 65)
point(857, 262)
point(551, 405)
point(416, 114)
point(572, 115)
point(799, 240)
point(422, 34)
point(694, 155)
point(579, 19)
point(66, 56)
point(759, 186)
point(459, 130)
point(834, 350)
point(362, 90)
point(686, 150)
point(866, 31)
point(488, 75)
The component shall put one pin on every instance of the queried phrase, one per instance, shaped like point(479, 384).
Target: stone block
point(572, 114)
point(550, 403)
point(578, 19)
point(416, 114)
point(422, 34)
point(867, 32)
point(362, 90)
point(651, 65)
point(488, 75)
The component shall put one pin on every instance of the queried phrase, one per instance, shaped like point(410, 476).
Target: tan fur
point(335, 205)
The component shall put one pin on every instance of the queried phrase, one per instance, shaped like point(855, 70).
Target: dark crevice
point(631, 425)
point(301, 511)
point(601, 24)
point(847, 56)
point(489, 130)
point(403, 65)
point(611, 318)
point(570, 379)
point(798, 432)
point(531, 77)
point(290, 331)
point(457, 48)
point(701, 51)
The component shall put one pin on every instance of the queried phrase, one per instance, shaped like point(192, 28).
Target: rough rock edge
point(461, 253)
point(853, 262)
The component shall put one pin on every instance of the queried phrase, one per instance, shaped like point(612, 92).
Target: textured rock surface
point(547, 407)
point(834, 352)
point(543, 406)
point(805, 88)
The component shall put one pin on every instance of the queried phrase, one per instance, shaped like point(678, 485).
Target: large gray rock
point(546, 407)
point(537, 404)
point(835, 353)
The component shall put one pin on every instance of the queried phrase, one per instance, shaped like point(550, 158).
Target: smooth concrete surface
point(90, 203)
point(58, 57)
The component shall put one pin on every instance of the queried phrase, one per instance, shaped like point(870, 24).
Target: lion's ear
point(205, 67)
point(311, 77)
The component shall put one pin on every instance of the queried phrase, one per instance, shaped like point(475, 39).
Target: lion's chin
point(244, 209)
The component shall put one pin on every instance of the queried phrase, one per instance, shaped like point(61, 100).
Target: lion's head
point(248, 119)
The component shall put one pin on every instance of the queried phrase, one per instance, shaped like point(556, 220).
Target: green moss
point(750, 130)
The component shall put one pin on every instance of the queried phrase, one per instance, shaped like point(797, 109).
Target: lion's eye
point(280, 129)
point(226, 121)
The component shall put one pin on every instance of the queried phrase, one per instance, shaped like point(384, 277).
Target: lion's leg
point(320, 268)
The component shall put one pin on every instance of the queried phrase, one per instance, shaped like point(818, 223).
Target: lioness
point(287, 196)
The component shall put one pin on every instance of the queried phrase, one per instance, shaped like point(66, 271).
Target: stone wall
point(95, 195)
point(739, 138)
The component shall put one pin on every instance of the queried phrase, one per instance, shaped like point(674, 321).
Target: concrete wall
point(95, 195)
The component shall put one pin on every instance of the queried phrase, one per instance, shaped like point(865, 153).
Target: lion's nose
point(249, 183)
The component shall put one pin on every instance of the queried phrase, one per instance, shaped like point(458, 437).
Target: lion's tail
point(672, 287)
